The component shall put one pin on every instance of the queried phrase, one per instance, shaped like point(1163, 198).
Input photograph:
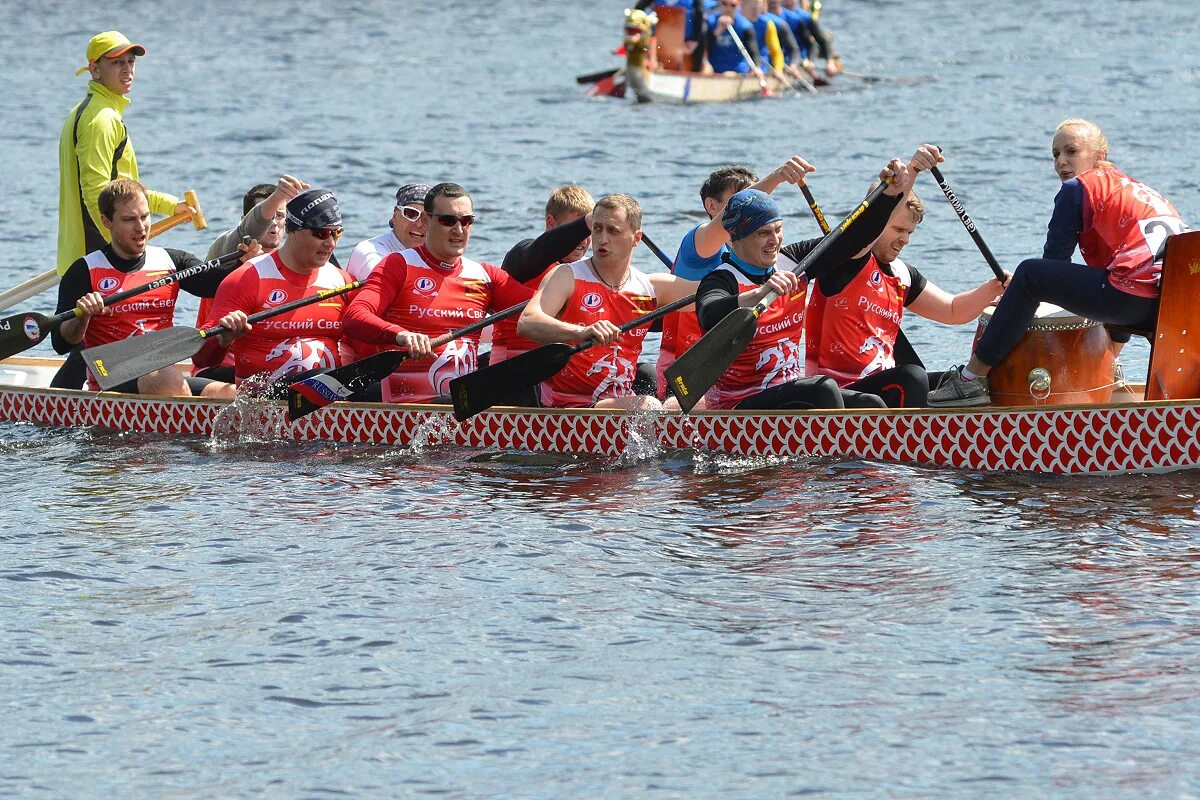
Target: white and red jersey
point(774, 355)
point(505, 341)
point(149, 311)
point(853, 334)
point(414, 292)
point(1125, 223)
point(601, 372)
point(305, 338)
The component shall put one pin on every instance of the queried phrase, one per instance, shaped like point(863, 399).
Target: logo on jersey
point(276, 297)
point(425, 286)
point(876, 279)
point(300, 355)
point(592, 301)
point(31, 328)
point(108, 284)
point(841, 302)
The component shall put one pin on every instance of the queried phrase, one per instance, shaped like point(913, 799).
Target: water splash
point(253, 417)
point(640, 429)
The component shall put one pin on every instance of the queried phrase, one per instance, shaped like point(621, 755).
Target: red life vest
point(149, 311)
point(773, 355)
point(1125, 225)
point(305, 338)
point(853, 334)
point(601, 372)
point(505, 341)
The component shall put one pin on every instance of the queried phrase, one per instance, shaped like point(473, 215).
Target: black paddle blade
point(117, 362)
point(494, 384)
point(328, 386)
point(694, 372)
point(20, 332)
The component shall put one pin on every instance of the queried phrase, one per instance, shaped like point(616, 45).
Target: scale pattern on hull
point(1069, 440)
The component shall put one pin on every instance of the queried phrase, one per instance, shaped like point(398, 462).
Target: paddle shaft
point(816, 209)
point(48, 279)
point(657, 313)
point(20, 332)
point(968, 223)
point(741, 46)
point(258, 316)
point(112, 300)
point(825, 243)
point(655, 249)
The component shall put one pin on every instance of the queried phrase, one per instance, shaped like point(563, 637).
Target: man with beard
point(126, 262)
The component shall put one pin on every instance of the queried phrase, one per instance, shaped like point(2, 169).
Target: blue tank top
point(688, 263)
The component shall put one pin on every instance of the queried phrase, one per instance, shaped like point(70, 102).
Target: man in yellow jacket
point(94, 149)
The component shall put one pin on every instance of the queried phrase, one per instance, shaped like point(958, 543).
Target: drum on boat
point(1062, 359)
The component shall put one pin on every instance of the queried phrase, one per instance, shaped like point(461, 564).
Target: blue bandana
point(747, 211)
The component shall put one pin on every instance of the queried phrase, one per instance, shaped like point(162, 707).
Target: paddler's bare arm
point(539, 321)
point(669, 288)
point(711, 236)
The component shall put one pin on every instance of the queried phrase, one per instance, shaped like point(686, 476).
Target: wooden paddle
point(330, 385)
point(494, 384)
point(49, 279)
point(695, 371)
point(968, 223)
point(20, 332)
point(904, 349)
point(117, 362)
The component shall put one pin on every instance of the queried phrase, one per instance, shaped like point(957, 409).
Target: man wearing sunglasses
point(304, 339)
point(424, 292)
point(407, 231)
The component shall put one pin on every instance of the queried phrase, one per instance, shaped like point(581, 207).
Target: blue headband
point(747, 211)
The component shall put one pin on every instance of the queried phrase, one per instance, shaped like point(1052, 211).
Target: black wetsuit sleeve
point(788, 44)
point(75, 283)
point(824, 49)
point(529, 258)
point(919, 282)
point(205, 284)
point(716, 297)
point(858, 237)
point(836, 279)
point(750, 39)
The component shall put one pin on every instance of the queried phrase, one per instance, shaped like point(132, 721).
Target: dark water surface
point(239, 619)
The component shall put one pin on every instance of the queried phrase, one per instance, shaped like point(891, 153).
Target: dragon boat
point(668, 81)
point(1060, 409)
point(1127, 434)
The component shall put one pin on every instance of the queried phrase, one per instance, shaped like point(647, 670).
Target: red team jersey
point(1125, 223)
point(149, 311)
point(601, 372)
point(505, 341)
point(305, 338)
point(414, 292)
point(853, 334)
point(773, 355)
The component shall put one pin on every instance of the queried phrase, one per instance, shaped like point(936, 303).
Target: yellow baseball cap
point(109, 44)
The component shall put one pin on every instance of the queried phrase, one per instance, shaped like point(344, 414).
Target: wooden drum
point(1061, 359)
